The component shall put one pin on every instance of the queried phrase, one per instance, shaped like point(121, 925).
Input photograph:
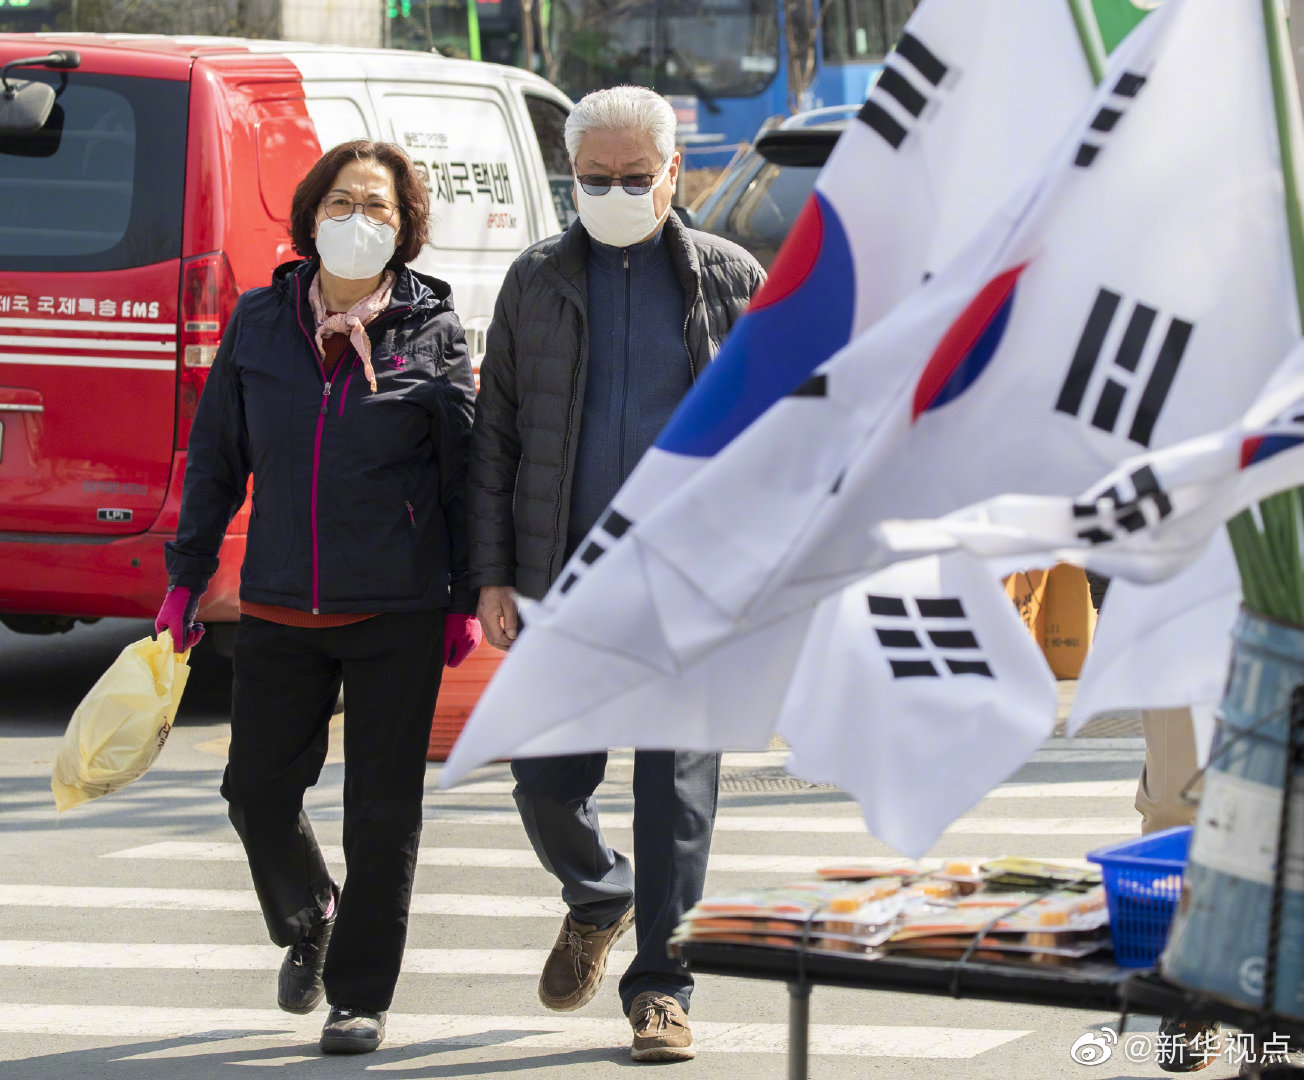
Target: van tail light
point(208, 297)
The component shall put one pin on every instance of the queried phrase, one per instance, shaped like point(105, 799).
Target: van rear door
point(471, 159)
point(90, 246)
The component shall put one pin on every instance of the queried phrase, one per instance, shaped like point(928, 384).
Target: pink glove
point(178, 615)
point(462, 635)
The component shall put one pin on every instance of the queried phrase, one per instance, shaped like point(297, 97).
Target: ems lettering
point(905, 87)
point(1138, 377)
point(926, 637)
point(139, 309)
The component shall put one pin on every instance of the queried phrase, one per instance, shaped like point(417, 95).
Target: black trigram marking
point(926, 636)
point(1112, 510)
point(903, 90)
point(1114, 397)
point(815, 386)
point(1107, 118)
point(612, 527)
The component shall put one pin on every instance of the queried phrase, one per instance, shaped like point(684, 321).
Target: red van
point(155, 191)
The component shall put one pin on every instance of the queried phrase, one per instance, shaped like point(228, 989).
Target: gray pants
point(675, 794)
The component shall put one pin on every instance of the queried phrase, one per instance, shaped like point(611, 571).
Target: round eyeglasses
point(341, 208)
point(634, 184)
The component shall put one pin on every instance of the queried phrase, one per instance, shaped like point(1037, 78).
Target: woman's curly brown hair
point(413, 199)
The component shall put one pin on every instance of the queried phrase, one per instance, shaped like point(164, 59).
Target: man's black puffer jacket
point(359, 497)
point(532, 391)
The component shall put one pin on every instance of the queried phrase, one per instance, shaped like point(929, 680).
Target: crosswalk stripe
point(184, 900)
point(726, 822)
point(197, 799)
point(525, 859)
point(1069, 789)
point(217, 957)
point(223, 1026)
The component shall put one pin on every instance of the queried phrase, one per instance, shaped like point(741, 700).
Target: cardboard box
point(1055, 605)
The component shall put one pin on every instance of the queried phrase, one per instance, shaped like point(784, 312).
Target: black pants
point(286, 681)
point(675, 795)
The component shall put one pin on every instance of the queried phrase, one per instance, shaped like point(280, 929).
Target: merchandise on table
point(1057, 915)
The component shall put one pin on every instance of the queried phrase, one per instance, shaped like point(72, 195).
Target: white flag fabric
point(1104, 323)
point(1099, 322)
point(975, 96)
point(1163, 646)
point(1154, 513)
point(917, 692)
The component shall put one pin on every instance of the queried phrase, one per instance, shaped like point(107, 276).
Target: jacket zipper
point(316, 470)
point(570, 428)
point(688, 317)
point(624, 396)
point(321, 419)
point(412, 514)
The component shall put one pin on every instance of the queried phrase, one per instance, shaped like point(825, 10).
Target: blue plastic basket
point(1143, 882)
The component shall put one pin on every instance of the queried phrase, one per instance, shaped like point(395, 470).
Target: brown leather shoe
point(578, 962)
point(661, 1031)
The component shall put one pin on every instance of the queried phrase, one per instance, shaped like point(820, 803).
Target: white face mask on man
point(618, 218)
point(355, 248)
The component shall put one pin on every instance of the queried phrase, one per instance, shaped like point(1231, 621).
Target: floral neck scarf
point(353, 321)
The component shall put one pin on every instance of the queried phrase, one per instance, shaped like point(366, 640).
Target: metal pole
point(798, 1029)
point(1286, 100)
point(1297, 37)
point(1093, 45)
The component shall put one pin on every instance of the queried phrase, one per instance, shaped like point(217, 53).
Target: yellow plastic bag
point(120, 726)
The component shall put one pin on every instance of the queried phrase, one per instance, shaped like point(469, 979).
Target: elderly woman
point(345, 388)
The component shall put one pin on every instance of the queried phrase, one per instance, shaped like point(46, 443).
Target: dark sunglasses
point(636, 184)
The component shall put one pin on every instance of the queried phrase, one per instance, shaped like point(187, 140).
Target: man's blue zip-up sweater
point(639, 371)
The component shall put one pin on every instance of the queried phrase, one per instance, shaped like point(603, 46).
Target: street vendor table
point(1084, 985)
point(1092, 984)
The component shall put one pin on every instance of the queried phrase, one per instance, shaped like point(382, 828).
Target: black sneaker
point(352, 1031)
point(299, 988)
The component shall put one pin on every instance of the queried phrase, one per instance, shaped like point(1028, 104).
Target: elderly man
point(597, 335)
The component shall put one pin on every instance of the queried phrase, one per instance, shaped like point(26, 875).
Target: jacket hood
point(421, 292)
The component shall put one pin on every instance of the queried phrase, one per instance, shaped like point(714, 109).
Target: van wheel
point(222, 635)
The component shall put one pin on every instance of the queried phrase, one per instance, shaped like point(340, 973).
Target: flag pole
point(1267, 546)
point(1093, 45)
point(1285, 100)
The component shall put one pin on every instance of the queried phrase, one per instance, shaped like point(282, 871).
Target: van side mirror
point(25, 106)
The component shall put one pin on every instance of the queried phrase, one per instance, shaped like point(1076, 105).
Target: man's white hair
point(623, 108)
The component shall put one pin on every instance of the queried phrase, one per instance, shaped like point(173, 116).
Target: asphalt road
point(131, 946)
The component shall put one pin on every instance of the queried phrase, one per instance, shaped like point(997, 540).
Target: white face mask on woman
point(619, 218)
point(355, 248)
